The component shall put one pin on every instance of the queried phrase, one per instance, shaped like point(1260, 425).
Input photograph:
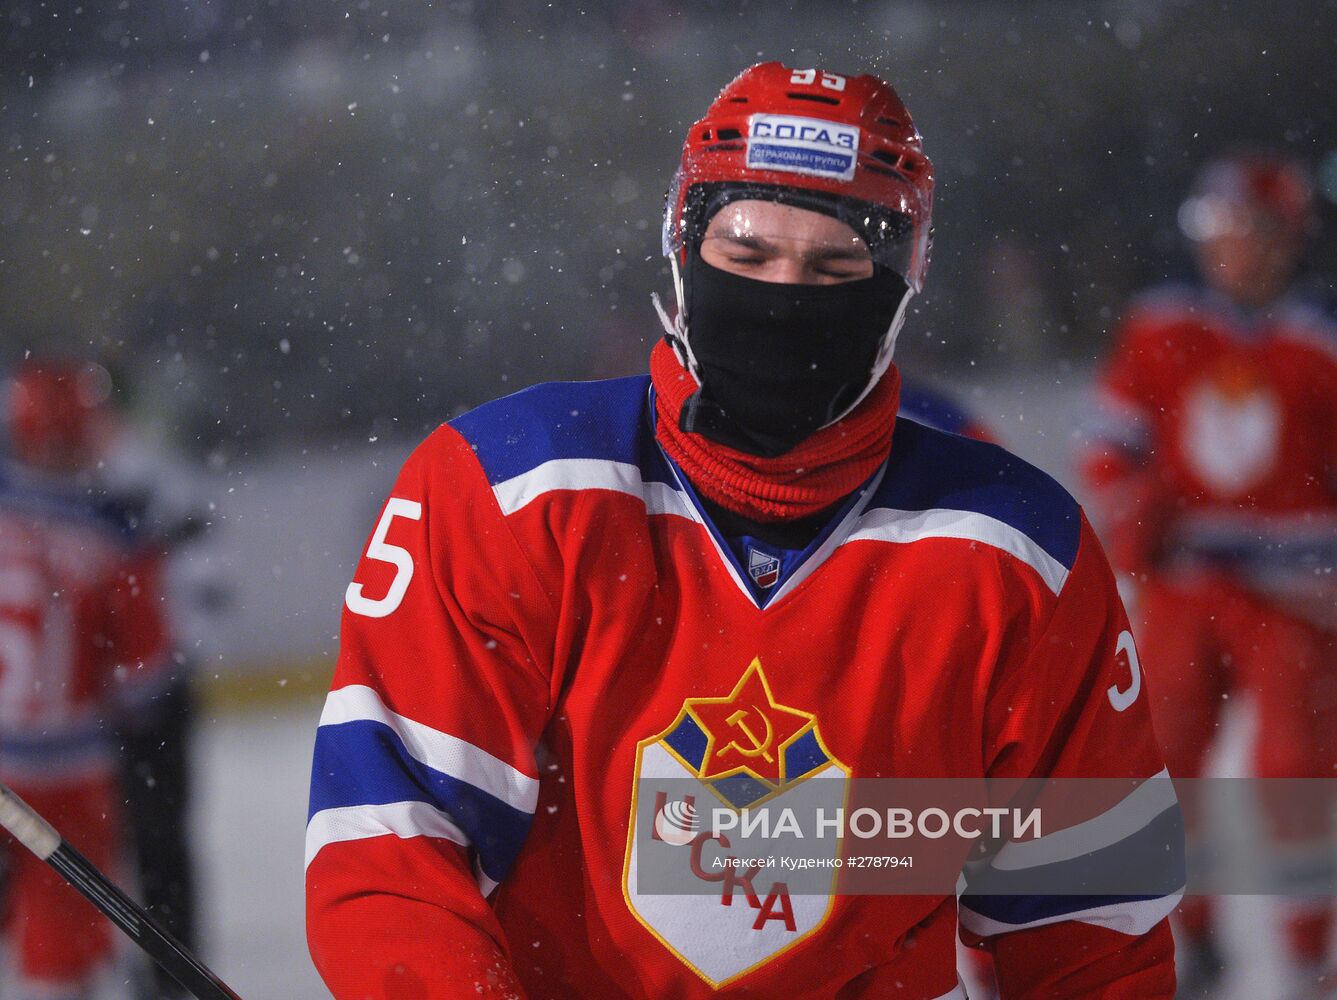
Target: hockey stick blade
point(40, 837)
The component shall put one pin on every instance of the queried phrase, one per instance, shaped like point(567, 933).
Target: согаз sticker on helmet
point(802, 146)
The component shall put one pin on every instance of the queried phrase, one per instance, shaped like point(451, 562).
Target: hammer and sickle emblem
point(760, 747)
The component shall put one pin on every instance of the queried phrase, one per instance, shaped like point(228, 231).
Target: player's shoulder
point(39, 499)
point(600, 420)
point(1172, 302)
point(926, 405)
point(986, 492)
point(1308, 316)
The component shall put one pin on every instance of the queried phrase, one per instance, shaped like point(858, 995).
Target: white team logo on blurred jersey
point(1231, 435)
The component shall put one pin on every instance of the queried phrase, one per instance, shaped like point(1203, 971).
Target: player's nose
point(791, 270)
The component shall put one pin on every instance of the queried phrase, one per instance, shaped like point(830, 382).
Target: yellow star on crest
point(748, 730)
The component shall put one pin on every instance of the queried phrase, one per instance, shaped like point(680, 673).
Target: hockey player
point(741, 575)
point(81, 640)
point(1215, 463)
point(152, 491)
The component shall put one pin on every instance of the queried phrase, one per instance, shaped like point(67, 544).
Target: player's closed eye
point(838, 270)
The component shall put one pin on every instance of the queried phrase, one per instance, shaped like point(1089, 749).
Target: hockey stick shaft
point(40, 837)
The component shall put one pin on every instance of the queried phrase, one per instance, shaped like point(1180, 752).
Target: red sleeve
point(423, 778)
point(134, 636)
point(1075, 707)
point(1328, 405)
point(1080, 960)
point(1131, 498)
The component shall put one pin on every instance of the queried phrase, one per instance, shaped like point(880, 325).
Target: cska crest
point(744, 750)
point(763, 567)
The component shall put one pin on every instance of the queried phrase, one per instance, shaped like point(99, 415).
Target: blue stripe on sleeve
point(601, 420)
point(1021, 910)
point(1149, 862)
point(365, 763)
point(930, 469)
point(22, 494)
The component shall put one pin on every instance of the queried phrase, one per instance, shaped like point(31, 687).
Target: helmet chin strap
point(882, 361)
point(675, 330)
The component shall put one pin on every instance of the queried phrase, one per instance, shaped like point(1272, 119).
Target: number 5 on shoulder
point(382, 551)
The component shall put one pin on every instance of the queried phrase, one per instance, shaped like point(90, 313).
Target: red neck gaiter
point(813, 475)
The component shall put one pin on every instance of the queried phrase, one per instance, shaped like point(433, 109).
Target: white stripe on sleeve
point(439, 751)
point(884, 524)
point(1134, 917)
point(1131, 814)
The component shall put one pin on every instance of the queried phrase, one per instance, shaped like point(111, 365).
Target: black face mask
point(778, 361)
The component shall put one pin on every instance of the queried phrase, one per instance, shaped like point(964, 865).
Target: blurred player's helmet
point(844, 146)
point(51, 407)
point(1230, 192)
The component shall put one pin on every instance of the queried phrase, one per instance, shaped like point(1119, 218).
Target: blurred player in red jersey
point(154, 492)
point(81, 639)
point(1215, 463)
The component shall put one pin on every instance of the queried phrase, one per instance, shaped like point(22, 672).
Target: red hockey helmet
point(1230, 191)
point(51, 407)
point(843, 145)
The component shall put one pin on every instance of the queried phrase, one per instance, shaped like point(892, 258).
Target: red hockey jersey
point(82, 631)
point(1216, 435)
point(545, 620)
